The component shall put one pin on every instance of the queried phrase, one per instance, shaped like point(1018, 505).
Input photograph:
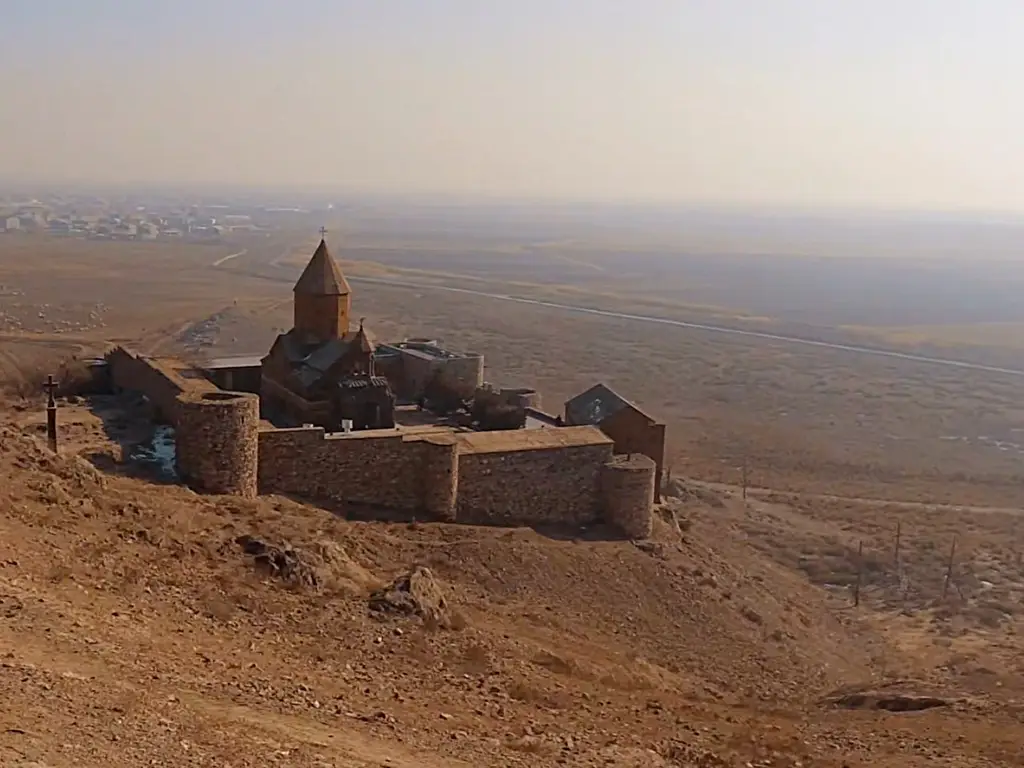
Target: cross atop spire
point(322, 277)
point(323, 233)
point(322, 298)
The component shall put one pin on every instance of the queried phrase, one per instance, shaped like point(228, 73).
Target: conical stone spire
point(323, 298)
point(322, 276)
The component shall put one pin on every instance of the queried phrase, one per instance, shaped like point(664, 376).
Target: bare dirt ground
point(135, 627)
point(142, 624)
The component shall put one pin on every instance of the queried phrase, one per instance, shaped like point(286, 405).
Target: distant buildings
point(59, 226)
point(125, 219)
point(31, 220)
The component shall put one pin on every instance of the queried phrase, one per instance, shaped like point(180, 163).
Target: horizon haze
point(904, 105)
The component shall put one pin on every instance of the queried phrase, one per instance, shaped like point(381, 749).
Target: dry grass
point(715, 645)
point(106, 563)
point(807, 419)
point(1007, 336)
point(25, 377)
point(710, 645)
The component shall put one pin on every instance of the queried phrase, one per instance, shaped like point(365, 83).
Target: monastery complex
point(333, 416)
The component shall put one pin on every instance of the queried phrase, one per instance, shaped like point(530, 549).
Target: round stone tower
point(216, 441)
point(627, 492)
point(440, 476)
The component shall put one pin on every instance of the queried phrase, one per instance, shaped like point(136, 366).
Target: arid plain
point(136, 632)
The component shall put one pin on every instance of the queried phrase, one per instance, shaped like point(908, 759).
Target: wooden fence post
point(896, 551)
point(949, 569)
point(860, 573)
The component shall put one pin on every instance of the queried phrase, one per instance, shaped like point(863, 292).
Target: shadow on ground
point(144, 448)
point(372, 513)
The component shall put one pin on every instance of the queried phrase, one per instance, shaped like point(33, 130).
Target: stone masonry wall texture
point(375, 468)
point(463, 374)
point(627, 492)
point(216, 440)
point(500, 479)
point(530, 487)
point(440, 476)
point(635, 432)
point(136, 374)
point(434, 473)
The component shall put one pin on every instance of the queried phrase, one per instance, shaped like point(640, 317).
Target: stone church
point(321, 371)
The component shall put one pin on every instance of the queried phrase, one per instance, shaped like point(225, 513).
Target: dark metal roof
point(307, 376)
point(327, 354)
point(295, 351)
point(248, 361)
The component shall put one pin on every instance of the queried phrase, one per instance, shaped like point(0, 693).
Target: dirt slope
point(140, 624)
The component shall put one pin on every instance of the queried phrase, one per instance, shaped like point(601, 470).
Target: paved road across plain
point(272, 257)
point(698, 326)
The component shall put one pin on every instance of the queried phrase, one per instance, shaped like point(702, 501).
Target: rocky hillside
point(143, 624)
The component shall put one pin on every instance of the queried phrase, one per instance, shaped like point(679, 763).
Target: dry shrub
point(74, 377)
point(25, 380)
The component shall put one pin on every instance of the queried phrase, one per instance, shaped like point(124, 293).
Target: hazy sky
point(864, 102)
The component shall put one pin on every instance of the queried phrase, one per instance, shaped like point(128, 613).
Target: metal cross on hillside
point(51, 413)
point(323, 233)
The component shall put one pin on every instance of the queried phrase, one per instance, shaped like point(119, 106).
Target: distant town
point(94, 217)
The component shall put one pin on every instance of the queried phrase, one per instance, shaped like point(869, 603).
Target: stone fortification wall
point(241, 378)
point(371, 467)
point(390, 366)
point(413, 369)
point(635, 432)
point(627, 494)
point(508, 477)
point(521, 397)
point(215, 432)
point(439, 471)
point(216, 440)
point(463, 374)
point(556, 485)
point(496, 478)
point(417, 371)
point(518, 397)
point(134, 373)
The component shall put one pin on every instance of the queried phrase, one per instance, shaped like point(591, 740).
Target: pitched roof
point(364, 339)
point(291, 347)
point(327, 354)
point(312, 364)
point(322, 277)
point(595, 405)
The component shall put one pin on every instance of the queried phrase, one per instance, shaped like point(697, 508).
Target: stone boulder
point(414, 593)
